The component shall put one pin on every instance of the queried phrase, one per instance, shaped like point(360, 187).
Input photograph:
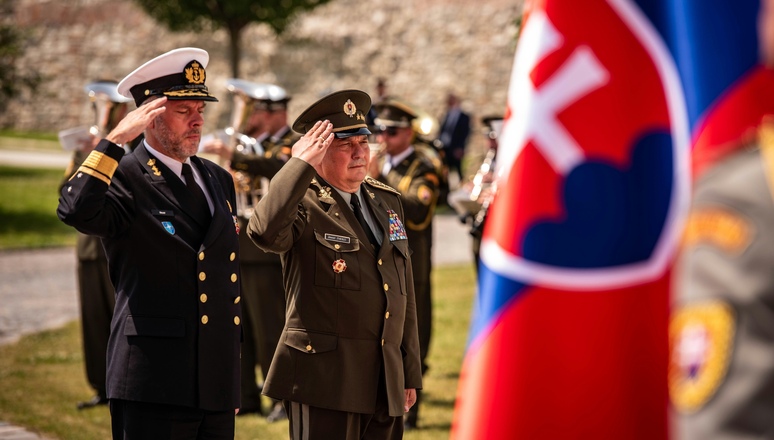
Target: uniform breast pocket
point(336, 261)
point(400, 255)
point(166, 219)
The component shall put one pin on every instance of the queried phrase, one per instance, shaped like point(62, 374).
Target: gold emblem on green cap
point(349, 108)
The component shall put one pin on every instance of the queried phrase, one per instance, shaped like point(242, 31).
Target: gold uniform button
point(236, 320)
point(201, 256)
point(232, 257)
point(379, 262)
point(387, 315)
point(336, 246)
point(205, 319)
point(233, 278)
point(203, 297)
point(202, 276)
point(308, 348)
point(336, 214)
point(386, 287)
point(237, 299)
point(382, 341)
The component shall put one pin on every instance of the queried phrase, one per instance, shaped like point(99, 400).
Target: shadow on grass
point(26, 222)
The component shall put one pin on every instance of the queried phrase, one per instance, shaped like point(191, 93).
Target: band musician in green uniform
point(260, 145)
point(407, 165)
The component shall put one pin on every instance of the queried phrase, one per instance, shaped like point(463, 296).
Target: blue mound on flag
point(614, 216)
point(499, 290)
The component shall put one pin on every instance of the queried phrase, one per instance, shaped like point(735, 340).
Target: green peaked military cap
point(394, 113)
point(345, 109)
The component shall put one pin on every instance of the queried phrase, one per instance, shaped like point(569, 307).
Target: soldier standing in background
point(405, 165)
point(255, 159)
point(96, 294)
point(721, 372)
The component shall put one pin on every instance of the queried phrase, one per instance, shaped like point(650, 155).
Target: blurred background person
point(472, 199)
point(453, 138)
point(96, 293)
point(257, 146)
point(407, 166)
point(721, 374)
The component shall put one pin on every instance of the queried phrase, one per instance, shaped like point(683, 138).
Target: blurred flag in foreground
point(569, 334)
point(606, 100)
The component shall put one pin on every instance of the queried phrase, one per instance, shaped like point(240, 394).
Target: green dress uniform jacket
point(175, 334)
point(722, 329)
point(416, 178)
point(350, 309)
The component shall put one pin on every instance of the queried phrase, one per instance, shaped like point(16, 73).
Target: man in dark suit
point(453, 137)
point(347, 364)
point(406, 165)
point(168, 226)
point(255, 159)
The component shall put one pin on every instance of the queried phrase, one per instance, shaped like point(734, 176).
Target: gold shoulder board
point(377, 184)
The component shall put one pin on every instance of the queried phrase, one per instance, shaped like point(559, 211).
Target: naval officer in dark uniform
point(403, 164)
point(347, 364)
point(168, 226)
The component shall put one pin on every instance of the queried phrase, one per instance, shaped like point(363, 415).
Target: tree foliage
point(232, 15)
point(12, 44)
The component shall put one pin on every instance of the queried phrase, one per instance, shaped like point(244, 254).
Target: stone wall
point(423, 48)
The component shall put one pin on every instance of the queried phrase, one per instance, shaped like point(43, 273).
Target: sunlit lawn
point(42, 375)
point(28, 200)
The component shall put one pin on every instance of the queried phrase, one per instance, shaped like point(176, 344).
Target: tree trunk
point(235, 48)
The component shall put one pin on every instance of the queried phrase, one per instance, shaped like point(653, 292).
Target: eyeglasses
point(389, 131)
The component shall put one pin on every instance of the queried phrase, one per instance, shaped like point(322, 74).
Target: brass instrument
point(109, 107)
point(248, 188)
point(472, 201)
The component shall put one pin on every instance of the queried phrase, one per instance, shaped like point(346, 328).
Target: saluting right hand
point(312, 146)
point(135, 121)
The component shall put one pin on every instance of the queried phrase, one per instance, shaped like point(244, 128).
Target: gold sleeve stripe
point(99, 162)
point(94, 173)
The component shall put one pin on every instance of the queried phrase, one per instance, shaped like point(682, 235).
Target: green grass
point(14, 140)
point(28, 201)
point(42, 375)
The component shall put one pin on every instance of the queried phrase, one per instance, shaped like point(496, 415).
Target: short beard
point(175, 146)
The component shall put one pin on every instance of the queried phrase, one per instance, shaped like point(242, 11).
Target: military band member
point(256, 161)
point(168, 225)
point(95, 292)
point(347, 364)
point(405, 165)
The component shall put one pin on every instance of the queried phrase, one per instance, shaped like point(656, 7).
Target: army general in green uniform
point(347, 364)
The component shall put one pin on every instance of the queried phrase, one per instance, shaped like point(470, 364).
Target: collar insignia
point(325, 192)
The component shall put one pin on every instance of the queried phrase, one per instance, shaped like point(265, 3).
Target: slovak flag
point(569, 337)
point(607, 101)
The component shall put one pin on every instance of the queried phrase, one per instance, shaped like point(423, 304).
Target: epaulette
point(377, 184)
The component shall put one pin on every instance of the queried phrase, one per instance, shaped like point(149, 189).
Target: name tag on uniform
point(337, 238)
point(163, 212)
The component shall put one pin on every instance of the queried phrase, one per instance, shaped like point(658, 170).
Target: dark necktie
point(202, 207)
point(355, 202)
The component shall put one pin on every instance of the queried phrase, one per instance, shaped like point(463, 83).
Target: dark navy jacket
point(176, 330)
